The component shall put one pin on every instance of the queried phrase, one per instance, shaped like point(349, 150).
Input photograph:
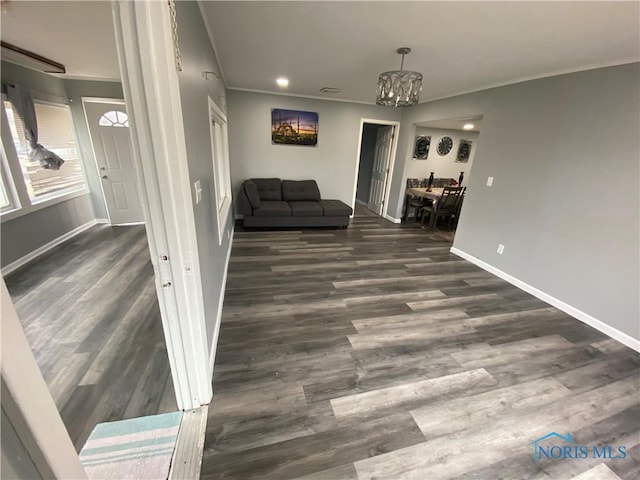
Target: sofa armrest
point(244, 207)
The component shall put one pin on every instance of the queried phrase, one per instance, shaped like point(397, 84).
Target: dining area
point(434, 201)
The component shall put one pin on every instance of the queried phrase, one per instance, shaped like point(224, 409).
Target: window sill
point(34, 207)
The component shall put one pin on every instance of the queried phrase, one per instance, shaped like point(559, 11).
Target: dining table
point(433, 193)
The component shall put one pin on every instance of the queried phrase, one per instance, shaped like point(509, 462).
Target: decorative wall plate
point(444, 145)
point(421, 151)
point(464, 151)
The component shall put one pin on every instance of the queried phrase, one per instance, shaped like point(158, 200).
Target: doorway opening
point(443, 151)
point(376, 156)
point(108, 125)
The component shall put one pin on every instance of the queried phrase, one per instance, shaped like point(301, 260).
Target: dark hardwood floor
point(90, 312)
point(374, 353)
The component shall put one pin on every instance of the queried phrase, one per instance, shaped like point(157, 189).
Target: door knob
point(104, 177)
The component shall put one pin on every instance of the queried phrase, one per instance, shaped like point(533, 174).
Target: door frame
point(392, 161)
point(28, 404)
point(85, 100)
point(152, 95)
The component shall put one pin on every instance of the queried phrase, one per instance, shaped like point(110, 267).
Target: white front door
point(380, 171)
point(109, 129)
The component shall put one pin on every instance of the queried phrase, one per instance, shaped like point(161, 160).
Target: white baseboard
point(102, 220)
point(129, 224)
point(599, 325)
point(391, 219)
point(216, 331)
point(360, 202)
point(13, 266)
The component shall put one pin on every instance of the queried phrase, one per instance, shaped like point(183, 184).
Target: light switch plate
point(198, 190)
point(489, 181)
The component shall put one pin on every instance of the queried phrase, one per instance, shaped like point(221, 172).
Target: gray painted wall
point(197, 56)
point(332, 163)
point(25, 234)
point(15, 462)
point(367, 155)
point(76, 89)
point(565, 202)
point(442, 166)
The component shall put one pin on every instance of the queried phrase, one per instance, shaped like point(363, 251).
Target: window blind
point(55, 132)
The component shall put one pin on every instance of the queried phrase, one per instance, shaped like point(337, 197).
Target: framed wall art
point(464, 151)
point(421, 151)
point(294, 127)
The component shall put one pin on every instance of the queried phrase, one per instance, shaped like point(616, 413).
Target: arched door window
point(114, 118)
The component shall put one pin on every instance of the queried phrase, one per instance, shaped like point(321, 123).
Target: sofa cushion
point(272, 208)
point(269, 188)
point(335, 208)
point(300, 191)
point(306, 209)
point(251, 189)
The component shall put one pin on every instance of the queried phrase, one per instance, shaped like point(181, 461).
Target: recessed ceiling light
point(282, 82)
point(468, 126)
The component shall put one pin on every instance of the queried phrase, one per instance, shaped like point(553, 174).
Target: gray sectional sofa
point(271, 202)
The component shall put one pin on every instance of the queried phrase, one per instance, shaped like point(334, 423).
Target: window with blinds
point(4, 196)
point(55, 133)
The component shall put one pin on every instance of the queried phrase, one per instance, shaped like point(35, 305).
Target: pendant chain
point(174, 33)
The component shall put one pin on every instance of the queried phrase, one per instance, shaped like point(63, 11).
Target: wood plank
point(326, 368)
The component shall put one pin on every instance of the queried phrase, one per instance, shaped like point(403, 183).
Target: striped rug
point(139, 448)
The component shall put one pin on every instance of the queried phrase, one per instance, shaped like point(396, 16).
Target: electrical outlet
point(489, 181)
point(500, 249)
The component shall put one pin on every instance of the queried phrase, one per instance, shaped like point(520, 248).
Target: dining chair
point(456, 217)
point(445, 207)
point(443, 182)
point(416, 202)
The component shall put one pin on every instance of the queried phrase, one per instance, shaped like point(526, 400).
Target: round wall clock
point(445, 145)
point(422, 147)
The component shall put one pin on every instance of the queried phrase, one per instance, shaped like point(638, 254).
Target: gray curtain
point(22, 102)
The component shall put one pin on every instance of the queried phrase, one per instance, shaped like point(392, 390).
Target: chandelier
point(399, 88)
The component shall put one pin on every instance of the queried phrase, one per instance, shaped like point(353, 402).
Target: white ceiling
point(458, 46)
point(77, 34)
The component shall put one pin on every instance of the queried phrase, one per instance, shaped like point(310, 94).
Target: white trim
point(392, 160)
point(392, 219)
point(13, 266)
point(462, 92)
point(555, 73)
point(118, 101)
point(360, 202)
point(27, 402)
point(216, 330)
point(84, 101)
point(599, 325)
point(128, 224)
point(103, 220)
point(152, 94)
point(86, 78)
point(299, 95)
point(221, 165)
